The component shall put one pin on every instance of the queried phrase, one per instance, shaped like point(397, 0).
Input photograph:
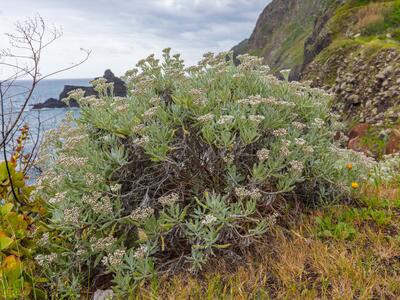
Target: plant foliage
point(184, 169)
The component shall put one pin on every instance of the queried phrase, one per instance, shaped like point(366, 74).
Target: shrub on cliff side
point(186, 168)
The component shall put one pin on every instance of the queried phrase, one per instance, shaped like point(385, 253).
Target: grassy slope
point(336, 252)
point(364, 26)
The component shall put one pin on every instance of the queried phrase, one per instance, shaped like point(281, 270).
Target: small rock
point(355, 99)
point(388, 70)
point(393, 144)
point(380, 76)
point(103, 295)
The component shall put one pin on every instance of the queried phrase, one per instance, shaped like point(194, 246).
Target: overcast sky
point(120, 32)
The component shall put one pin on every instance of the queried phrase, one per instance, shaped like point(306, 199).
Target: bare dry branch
point(22, 60)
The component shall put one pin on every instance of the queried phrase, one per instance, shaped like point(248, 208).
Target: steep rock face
point(281, 31)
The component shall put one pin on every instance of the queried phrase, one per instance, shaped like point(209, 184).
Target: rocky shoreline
point(119, 90)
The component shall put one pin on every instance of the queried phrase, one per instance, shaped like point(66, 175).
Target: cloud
point(121, 32)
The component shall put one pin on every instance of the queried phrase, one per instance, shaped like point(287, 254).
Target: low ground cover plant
point(186, 168)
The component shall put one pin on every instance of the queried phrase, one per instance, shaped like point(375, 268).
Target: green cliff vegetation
point(364, 26)
point(281, 32)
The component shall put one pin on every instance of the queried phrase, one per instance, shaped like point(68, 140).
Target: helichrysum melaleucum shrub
point(183, 169)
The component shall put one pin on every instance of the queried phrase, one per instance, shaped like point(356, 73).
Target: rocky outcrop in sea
point(119, 90)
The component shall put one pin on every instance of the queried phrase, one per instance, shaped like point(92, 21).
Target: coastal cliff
point(349, 47)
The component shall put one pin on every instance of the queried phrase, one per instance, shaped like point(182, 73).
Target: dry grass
point(370, 15)
point(295, 264)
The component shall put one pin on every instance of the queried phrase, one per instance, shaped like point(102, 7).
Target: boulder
point(359, 130)
point(393, 144)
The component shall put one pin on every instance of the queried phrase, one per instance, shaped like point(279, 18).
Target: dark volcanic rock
point(119, 90)
point(119, 85)
point(89, 91)
point(50, 103)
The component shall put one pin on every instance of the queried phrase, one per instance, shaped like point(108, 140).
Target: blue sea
point(49, 118)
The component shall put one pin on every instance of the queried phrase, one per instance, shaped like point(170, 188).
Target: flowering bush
point(186, 168)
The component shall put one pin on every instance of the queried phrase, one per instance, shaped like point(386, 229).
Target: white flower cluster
point(74, 141)
point(242, 193)
point(196, 92)
point(141, 252)
point(300, 141)
point(115, 188)
point(97, 204)
point(142, 141)
point(318, 123)
point(45, 260)
point(155, 100)
point(54, 179)
point(58, 198)
point(256, 118)
point(297, 166)
point(72, 161)
point(299, 125)
point(206, 118)
point(76, 94)
point(285, 148)
point(271, 220)
point(114, 259)
point(44, 240)
point(137, 128)
point(228, 158)
point(69, 129)
point(208, 220)
point(120, 105)
point(226, 119)
point(252, 100)
point(93, 101)
point(80, 251)
point(387, 170)
point(141, 213)
point(169, 199)
point(263, 154)
point(101, 85)
point(200, 101)
point(279, 132)
point(71, 215)
point(348, 155)
point(102, 244)
point(91, 179)
point(308, 149)
point(150, 112)
point(248, 62)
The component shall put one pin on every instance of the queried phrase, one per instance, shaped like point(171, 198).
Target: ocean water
point(40, 120)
